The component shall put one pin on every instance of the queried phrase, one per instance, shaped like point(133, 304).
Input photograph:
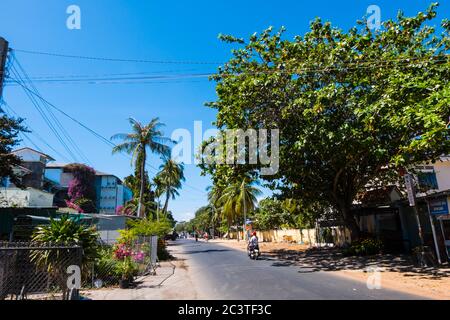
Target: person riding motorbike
point(253, 242)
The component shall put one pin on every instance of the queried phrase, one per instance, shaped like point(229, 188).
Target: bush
point(66, 231)
point(365, 247)
point(106, 268)
point(147, 227)
point(162, 252)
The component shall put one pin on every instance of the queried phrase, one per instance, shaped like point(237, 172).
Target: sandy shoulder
point(427, 286)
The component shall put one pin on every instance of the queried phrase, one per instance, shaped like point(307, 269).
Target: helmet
point(254, 233)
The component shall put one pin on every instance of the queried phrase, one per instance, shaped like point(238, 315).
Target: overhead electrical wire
point(99, 136)
point(349, 66)
point(43, 115)
point(52, 54)
point(53, 118)
point(35, 133)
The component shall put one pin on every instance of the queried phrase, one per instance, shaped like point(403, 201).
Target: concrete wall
point(15, 197)
point(303, 236)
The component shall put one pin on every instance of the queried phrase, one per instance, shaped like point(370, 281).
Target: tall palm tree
point(136, 143)
point(228, 201)
point(247, 198)
point(214, 194)
point(238, 199)
point(170, 179)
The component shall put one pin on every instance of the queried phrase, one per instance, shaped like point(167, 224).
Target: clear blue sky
point(151, 30)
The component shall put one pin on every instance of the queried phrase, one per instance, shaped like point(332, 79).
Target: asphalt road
point(220, 272)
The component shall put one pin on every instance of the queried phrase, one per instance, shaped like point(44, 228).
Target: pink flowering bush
point(122, 251)
point(139, 256)
point(74, 206)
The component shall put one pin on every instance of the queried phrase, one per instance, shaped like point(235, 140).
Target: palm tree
point(228, 201)
point(213, 198)
point(137, 142)
point(170, 177)
point(238, 199)
point(247, 198)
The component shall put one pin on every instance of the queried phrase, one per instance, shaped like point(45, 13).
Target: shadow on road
point(206, 251)
point(331, 259)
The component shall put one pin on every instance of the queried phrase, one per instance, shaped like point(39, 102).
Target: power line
point(99, 136)
point(171, 77)
point(55, 119)
point(34, 132)
point(42, 113)
point(52, 54)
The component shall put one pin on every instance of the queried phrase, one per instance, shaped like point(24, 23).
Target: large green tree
point(352, 107)
point(136, 143)
point(9, 131)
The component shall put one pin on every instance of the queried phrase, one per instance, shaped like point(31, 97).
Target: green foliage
point(64, 231)
point(142, 138)
point(352, 107)
point(364, 247)
point(87, 205)
point(168, 180)
point(106, 267)
point(127, 268)
point(272, 215)
point(9, 131)
point(145, 227)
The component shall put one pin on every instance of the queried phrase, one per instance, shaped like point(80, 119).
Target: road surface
point(220, 272)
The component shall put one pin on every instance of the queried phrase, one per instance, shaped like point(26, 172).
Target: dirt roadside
point(396, 272)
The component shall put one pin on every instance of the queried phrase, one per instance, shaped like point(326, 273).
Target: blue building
point(110, 191)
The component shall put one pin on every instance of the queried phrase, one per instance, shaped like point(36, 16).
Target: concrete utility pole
point(3, 55)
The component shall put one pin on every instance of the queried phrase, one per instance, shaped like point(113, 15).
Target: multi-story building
point(35, 162)
point(31, 173)
point(110, 191)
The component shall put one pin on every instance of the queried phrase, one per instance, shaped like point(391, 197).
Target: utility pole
point(3, 56)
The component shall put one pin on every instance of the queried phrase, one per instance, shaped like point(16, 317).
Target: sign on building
point(439, 206)
point(409, 182)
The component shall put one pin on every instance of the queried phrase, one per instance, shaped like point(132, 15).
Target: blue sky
point(150, 30)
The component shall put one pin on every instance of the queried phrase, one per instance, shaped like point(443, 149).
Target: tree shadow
point(332, 259)
point(206, 251)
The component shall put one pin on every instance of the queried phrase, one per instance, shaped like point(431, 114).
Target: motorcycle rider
point(253, 242)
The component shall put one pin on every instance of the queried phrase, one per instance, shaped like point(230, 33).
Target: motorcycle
point(253, 252)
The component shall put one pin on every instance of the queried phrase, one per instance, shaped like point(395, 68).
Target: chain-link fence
point(40, 271)
point(36, 271)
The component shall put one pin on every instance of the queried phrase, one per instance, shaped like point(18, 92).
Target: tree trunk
point(166, 203)
point(351, 224)
point(141, 191)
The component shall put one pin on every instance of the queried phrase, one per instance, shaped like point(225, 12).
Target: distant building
point(35, 162)
point(110, 191)
point(31, 174)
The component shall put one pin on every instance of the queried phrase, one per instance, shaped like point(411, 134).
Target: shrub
point(106, 268)
point(147, 227)
point(365, 247)
point(66, 231)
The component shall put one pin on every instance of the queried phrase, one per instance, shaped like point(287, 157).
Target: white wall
point(28, 155)
point(443, 175)
point(14, 197)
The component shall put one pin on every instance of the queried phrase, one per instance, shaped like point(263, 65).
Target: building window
point(428, 180)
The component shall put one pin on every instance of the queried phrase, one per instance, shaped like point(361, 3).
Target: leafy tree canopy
point(9, 131)
point(352, 107)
